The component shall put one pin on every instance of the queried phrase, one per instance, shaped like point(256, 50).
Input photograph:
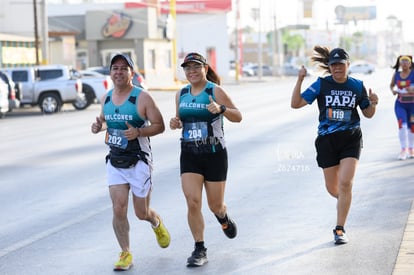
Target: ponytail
point(212, 76)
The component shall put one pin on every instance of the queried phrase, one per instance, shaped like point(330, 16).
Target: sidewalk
point(405, 259)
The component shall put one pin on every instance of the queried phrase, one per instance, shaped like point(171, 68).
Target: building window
point(82, 59)
point(152, 61)
point(108, 54)
point(168, 59)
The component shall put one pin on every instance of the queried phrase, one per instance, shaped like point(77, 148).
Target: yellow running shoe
point(163, 237)
point(124, 262)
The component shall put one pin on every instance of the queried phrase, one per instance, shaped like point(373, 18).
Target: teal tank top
point(116, 116)
point(202, 131)
point(194, 108)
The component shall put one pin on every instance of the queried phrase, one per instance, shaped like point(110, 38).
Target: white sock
point(158, 224)
point(402, 134)
point(410, 139)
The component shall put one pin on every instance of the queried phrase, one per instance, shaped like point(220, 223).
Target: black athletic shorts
point(212, 166)
point(333, 147)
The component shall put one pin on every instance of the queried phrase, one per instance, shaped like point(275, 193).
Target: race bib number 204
point(116, 138)
point(195, 131)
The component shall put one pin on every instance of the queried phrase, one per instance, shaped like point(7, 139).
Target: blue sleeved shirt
point(337, 103)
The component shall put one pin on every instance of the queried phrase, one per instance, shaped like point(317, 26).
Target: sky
point(287, 13)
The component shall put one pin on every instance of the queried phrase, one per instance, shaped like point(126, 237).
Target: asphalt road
point(56, 214)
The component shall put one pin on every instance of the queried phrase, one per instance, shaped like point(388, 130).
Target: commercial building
point(87, 35)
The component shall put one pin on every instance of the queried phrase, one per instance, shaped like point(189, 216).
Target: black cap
point(194, 57)
point(338, 55)
point(124, 57)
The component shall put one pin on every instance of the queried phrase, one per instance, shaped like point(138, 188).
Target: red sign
point(191, 6)
point(116, 25)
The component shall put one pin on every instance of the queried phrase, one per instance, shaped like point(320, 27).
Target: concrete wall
point(63, 50)
point(198, 33)
point(17, 17)
point(157, 57)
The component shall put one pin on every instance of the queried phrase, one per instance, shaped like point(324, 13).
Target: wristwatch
point(223, 108)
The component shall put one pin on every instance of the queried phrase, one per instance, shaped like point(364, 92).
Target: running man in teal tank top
point(130, 117)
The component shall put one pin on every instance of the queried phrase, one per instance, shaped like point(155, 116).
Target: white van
point(4, 98)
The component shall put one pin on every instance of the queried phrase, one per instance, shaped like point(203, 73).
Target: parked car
point(4, 98)
point(14, 89)
point(48, 86)
point(361, 68)
point(291, 70)
point(247, 70)
point(137, 80)
point(99, 69)
point(95, 85)
point(266, 70)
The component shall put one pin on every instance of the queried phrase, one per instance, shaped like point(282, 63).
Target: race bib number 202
point(116, 138)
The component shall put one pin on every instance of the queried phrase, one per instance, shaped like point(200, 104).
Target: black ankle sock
point(222, 220)
point(339, 227)
point(199, 245)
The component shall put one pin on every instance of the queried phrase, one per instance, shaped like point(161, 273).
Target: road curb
point(405, 259)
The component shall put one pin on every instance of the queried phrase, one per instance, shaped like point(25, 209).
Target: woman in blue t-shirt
point(339, 139)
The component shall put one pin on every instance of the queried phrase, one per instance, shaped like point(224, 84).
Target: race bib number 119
point(338, 114)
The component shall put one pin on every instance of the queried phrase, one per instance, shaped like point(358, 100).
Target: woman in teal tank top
point(201, 107)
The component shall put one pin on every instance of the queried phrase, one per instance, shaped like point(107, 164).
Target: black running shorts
point(212, 166)
point(333, 147)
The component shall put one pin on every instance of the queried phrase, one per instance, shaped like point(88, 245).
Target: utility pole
point(173, 15)
point(36, 33)
point(237, 44)
point(45, 33)
point(277, 50)
point(260, 51)
point(256, 13)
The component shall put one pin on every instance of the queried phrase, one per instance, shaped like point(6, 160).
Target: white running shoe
point(403, 155)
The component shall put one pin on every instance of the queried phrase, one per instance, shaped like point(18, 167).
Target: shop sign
point(117, 25)
point(18, 55)
point(188, 6)
point(346, 14)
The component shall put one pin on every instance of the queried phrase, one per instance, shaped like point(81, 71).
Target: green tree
point(345, 42)
point(292, 43)
point(357, 39)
